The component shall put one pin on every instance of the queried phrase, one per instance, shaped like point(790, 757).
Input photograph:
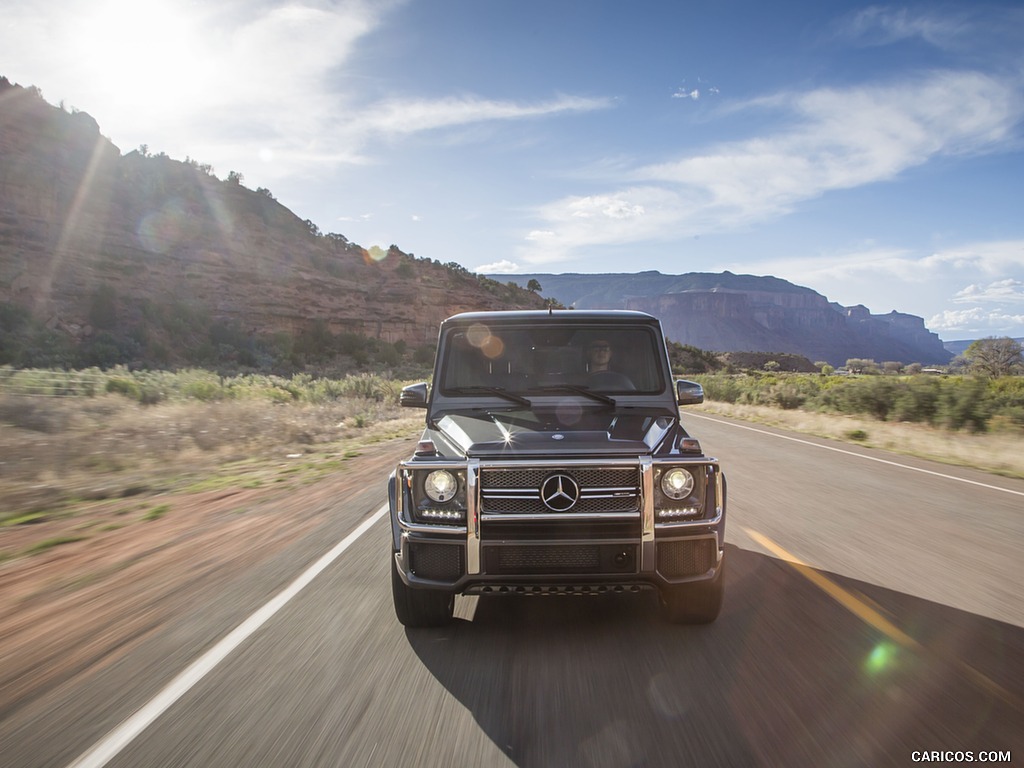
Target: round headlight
point(440, 485)
point(677, 483)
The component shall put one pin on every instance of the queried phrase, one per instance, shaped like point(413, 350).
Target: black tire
point(697, 603)
point(420, 607)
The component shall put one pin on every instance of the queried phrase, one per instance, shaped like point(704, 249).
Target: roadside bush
point(950, 402)
point(1007, 420)
point(725, 389)
point(126, 387)
point(205, 391)
point(918, 401)
point(874, 396)
point(963, 404)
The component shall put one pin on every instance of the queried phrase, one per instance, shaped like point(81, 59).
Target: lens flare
point(374, 255)
point(161, 230)
point(881, 658)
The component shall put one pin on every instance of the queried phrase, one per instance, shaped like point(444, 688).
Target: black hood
point(514, 434)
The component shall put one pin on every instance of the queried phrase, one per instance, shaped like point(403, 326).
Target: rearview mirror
point(413, 396)
point(689, 392)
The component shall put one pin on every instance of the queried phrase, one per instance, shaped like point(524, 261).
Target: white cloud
point(1003, 259)
point(824, 269)
point(990, 258)
point(835, 139)
point(1008, 291)
point(503, 267)
point(604, 206)
point(400, 116)
point(971, 28)
point(976, 322)
point(847, 138)
point(639, 213)
point(880, 25)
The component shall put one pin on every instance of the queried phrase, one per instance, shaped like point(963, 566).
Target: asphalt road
point(874, 609)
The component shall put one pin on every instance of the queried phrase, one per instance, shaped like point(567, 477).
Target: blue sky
point(873, 153)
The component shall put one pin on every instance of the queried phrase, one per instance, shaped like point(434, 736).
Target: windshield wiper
point(499, 391)
point(585, 391)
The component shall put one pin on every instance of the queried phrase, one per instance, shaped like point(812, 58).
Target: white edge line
point(858, 455)
point(115, 741)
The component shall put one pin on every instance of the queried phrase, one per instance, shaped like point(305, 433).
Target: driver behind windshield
point(600, 374)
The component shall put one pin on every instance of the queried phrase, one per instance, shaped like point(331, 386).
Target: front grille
point(438, 562)
point(560, 559)
point(587, 477)
point(518, 491)
point(686, 558)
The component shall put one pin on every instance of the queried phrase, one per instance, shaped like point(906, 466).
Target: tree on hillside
point(995, 356)
point(533, 286)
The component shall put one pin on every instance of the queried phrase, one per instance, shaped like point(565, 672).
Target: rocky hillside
point(728, 313)
point(140, 258)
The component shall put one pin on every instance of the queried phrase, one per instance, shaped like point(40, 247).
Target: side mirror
point(413, 396)
point(689, 392)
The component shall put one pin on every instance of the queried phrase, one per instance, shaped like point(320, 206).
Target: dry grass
point(57, 453)
point(999, 453)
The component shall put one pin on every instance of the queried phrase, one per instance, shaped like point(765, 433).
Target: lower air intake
point(438, 562)
point(686, 558)
point(560, 559)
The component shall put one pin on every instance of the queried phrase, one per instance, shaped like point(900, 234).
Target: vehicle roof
point(544, 315)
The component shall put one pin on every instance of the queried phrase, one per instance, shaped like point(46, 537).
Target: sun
point(149, 54)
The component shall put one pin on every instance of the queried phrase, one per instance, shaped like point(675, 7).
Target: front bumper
point(559, 552)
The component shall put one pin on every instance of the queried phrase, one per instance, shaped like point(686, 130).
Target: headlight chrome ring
point(440, 486)
point(677, 483)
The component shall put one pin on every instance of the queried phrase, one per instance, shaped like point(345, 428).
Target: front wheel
point(420, 607)
point(696, 603)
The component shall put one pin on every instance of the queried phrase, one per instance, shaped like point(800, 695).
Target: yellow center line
point(859, 608)
point(850, 602)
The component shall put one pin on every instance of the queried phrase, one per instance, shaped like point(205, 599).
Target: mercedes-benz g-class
point(553, 462)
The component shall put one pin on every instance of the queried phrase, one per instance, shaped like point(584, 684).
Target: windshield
point(548, 359)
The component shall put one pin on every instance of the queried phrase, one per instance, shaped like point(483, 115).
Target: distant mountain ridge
point(724, 312)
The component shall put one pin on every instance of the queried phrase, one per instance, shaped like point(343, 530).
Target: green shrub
point(205, 391)
point(917, 401)
point(950, 402)
point(126, 387)
point(963, 404)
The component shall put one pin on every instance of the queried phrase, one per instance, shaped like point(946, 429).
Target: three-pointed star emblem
point(560, 493)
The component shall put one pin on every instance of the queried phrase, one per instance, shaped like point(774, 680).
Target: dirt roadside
point(78, 607)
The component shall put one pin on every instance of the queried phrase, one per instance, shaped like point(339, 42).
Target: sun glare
point(147, 53)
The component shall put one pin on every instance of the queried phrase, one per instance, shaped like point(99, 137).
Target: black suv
point(553, 462)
